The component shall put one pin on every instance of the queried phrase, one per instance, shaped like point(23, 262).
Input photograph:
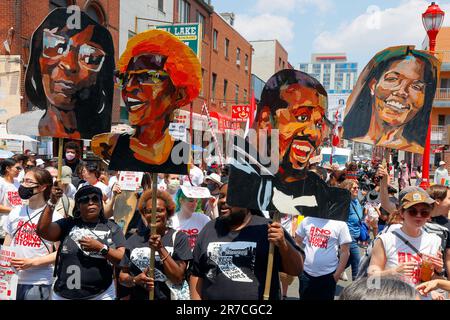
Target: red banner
point(240, 113)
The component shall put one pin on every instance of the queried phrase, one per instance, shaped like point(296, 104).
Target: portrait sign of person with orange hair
point(391, 103)
point(158, 74)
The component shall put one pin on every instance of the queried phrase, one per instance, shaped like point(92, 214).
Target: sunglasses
point(413, 212)
point(18, 168)
point(92, 197)
point(142, 77)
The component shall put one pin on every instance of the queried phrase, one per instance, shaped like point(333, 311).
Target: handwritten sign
point(8, 276)
point(130, 180)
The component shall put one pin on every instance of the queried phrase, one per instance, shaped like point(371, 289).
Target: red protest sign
point(240, 113)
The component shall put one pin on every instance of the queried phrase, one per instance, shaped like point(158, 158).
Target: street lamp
point(432, 21)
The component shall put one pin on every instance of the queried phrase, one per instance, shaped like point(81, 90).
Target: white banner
point(8, 276)
point(129, 180)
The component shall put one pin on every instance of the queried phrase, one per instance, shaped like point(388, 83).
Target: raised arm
point(46, 228)
point(386, 204)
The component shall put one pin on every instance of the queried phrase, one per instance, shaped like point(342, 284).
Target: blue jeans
point(33, 292)
point(354, 258)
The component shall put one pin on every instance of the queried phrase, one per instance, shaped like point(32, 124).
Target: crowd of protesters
point(68, 246)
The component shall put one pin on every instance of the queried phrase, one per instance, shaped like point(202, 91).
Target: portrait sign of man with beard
point(269, 171)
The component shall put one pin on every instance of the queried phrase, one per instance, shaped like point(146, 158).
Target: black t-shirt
point(233, 265)
point(123, 158)
point(95, 270)
point(137, 257)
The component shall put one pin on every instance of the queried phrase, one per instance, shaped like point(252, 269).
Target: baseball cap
point(407, 190)
point(214, 177)
point(66, 174)
point(441, 163)
point(415, 197)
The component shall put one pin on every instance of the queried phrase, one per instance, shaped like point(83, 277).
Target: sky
point(359, 28)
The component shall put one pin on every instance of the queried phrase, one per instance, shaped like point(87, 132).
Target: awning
point(4, 135)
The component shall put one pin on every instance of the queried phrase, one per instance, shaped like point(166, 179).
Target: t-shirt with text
point(21, 225)
point(9, 197)
point(398, 252)
point(322, 238)
point(94, 270)
point(233, 264)
point(137, 257)
point(191, 226)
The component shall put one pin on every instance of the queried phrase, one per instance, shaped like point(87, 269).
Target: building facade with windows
point(269, 57)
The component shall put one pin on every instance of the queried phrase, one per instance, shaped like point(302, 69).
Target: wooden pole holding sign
point(276, 218)
point(151, 271)
point(60, 155)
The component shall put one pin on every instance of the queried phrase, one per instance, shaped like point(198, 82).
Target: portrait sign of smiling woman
point(69, 79)
point(157, 74)
point(391, 103)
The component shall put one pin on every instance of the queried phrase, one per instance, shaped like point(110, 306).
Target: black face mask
point(26, 193)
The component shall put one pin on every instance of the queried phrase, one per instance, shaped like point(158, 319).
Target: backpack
point(364, 262)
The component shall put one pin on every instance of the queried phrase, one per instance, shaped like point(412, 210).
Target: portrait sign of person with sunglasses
point(157, 74)
point(69, 79)
point(391, 103)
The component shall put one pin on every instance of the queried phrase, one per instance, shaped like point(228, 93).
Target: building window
point(214, 78)
point(203, 82)
point(245, 96)
point(201, 21)
point(227, 45)
point(225, 86)
point(246, 62)
point(161, 5)
point(96, 12)
point(215, 37)
point(283, 65)
point(441, 120)
point(53, 4)
point(279, 62)
point(238, 56)
point(236, 95)
point(131, 34)
point(184, 9)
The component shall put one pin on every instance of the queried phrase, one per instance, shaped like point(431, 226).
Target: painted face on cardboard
point(400, 91)
point(148, 93)
point(69, 66)
point(301, 125)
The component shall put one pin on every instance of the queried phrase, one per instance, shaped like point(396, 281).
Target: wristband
point(162, 260)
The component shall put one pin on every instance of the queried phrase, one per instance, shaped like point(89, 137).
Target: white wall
point(263, 60)
point(129, 9)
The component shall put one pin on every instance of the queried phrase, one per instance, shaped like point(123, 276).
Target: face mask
point(26, 193)
point(70, 156)
point(211, 187)
point(173, 185)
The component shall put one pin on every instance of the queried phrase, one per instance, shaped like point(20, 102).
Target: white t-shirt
point(398, 252)
point(322, 238)
point(27, 244)
point(191, 226)
point(439, 174)
point(196, 175)
point(9, 197)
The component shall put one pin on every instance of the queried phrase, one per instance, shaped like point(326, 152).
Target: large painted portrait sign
point(270, 170)
point(157, 74)
point(391, 103)
point(69, 79)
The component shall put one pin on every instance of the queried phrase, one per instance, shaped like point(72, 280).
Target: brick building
point(26, 15)
point(225, 60)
